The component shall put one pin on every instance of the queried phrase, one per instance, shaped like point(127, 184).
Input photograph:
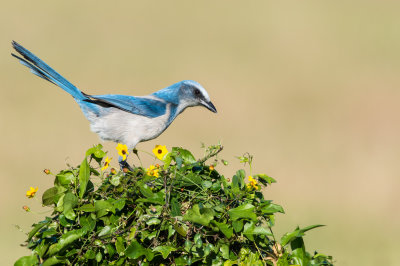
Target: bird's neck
point(175, 110)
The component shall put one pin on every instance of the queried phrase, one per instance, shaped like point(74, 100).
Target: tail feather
point(41, 69)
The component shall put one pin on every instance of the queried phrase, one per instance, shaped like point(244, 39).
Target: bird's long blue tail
point(41, 69)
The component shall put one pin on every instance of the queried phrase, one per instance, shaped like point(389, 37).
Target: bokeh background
point(311, 89)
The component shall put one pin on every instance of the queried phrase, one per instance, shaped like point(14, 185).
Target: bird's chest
point(145, 128)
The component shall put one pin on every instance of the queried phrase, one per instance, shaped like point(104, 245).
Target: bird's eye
point(197, 91)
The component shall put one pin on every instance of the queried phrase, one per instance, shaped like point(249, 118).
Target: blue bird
point(125, 119)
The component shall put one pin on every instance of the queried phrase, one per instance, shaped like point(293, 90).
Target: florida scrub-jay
point(125, 119)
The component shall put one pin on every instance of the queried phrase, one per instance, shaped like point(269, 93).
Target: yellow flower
point(122, 150)
point(153, 171)
point(253, 183)
point(106, 164)
point(31, 192)
point(160, 151)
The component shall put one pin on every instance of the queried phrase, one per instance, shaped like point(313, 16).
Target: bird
point(121, 118)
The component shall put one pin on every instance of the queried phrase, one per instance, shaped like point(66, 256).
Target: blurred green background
point(311, 89)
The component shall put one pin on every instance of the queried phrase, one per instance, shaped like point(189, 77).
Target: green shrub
point(183, 212)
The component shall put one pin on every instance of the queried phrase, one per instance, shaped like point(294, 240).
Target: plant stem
point(208, 156)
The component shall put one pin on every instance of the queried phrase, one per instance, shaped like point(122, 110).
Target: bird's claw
point(123, 164)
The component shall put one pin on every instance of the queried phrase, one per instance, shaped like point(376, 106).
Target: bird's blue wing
point(135, 105)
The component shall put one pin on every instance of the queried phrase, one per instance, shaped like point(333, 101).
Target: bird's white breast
point(127, 128)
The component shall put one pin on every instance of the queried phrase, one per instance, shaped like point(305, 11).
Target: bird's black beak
point(210, 106)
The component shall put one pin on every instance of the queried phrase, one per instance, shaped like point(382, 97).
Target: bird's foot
point(123, 164)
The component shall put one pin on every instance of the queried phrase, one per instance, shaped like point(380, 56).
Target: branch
point(212, 154)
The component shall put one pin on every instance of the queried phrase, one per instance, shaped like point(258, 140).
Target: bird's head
point(191, 93)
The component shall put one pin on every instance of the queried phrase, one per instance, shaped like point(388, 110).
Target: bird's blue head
point(187, 93)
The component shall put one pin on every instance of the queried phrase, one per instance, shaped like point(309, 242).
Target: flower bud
point(46, 171)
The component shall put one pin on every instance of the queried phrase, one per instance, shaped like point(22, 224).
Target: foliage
point(187, 213)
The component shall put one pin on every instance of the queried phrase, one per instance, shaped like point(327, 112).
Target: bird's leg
point(124, 164)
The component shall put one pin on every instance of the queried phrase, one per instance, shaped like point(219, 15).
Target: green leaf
point(84, 176)
point(65, 222)
point(27, 261)
point(65, 178)
point(288, 237)
point(171, 231)
point(41, 249)
point(53, 261)
point(99, 256)
point(90, 254)
point(188, 245)
point(188, 180)
point(245, 211)
point(179, 162)
point(224, 251)
point(197, 240)
point(115, 180)
point(225, 229)
point(70, 201)
point(260, 230)
point(87, 208)
point(96, 153)
point(132, 233)
point(153, 221)
point(175, 208)
point(157, 198)
point(49, 232)
point(165, 250)
point(248, 230)
point(182, 261)
point(299, 254)
point(110, 250)
point(105, 231)
point(206, 184)
point(264, 179)
point(119, 204)
point(119, 246)
point(37, 227)
point(271, 208)
point(167, 160)
point(87, 223)
point(71, 253)
point(152, 235)
point(135, 250)
point(237, 225)
point(202, 217)
point(235, 182)
point(187, 156)
point(65, 240)
point(48, 196)
point(238, 179)
point(102, 207)
point(145, 190)
point(182, 230)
